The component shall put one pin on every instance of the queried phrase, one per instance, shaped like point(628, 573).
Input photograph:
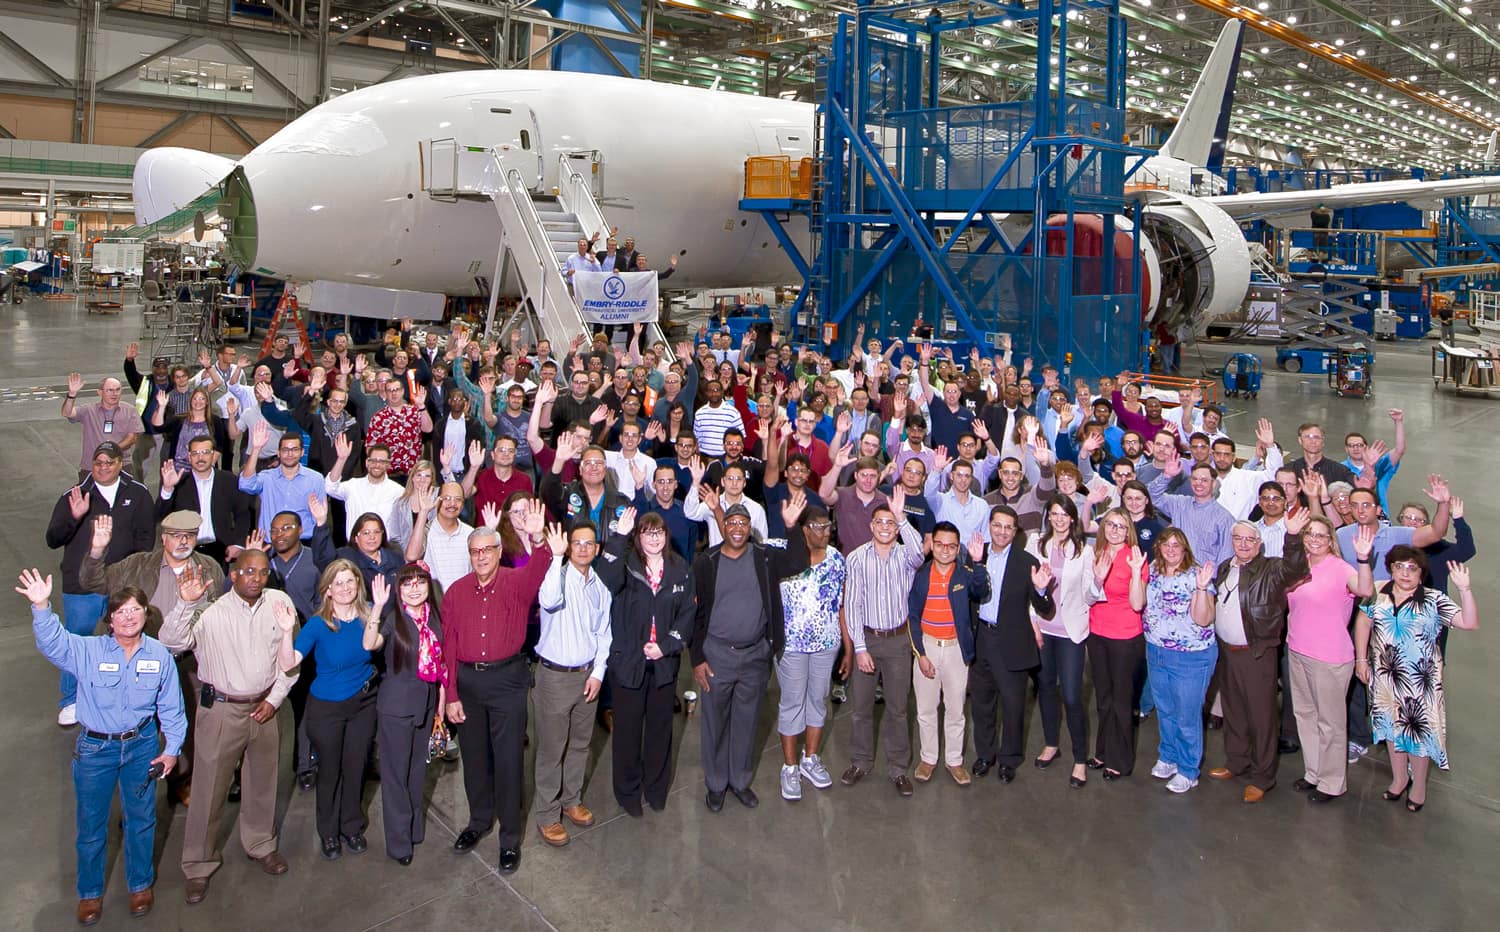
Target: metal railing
point(541, 280)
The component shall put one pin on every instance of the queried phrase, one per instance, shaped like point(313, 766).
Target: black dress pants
point(990, 681)
point(493, 738)
point(342, 733)
point(1113, 664)
point(641, 745)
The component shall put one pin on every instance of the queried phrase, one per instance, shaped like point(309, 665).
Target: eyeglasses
point(654, 532)
point(1245, 538)
point(1406, 567)
point(584, 544)
point(128, 610)
point(482, 551)
point(593, 462)
point(249, 571)
point(1268, 497)
point(181, 535)
point(819, 526)
point(737, 521)
point(1115, 526)
point(944, 545)
point(451, 498)
point(1316, 535)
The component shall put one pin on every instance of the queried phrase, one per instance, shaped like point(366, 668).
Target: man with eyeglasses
point(1250, 621)
point(155, 573)
point(285, 486)
point(572, 652)
point(444, 546)
point(484, 624)
point(1361, 453)
point(576, 406)
point(374, 492)
point(798, 438)
point(686, 450)
point(1200, 516)
point(107, 492)
point(1238, 486)
point(1310, 439)
point(235, 640)
point(107, 421)
point(400, 426)
point(228, 515)
point(683, 516)
point(593, 496)
point(1026, 503)
point(491, 487)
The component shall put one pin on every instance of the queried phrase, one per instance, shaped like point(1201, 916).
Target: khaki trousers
point(1319, 692)
point(226, 737)
point(948, 689)
point(564, 728)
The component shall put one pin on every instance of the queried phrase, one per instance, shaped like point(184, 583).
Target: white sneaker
point(791, 782)
point(812, 768)
point(67, 716)
point(1180, 784)
point(1356, 751)
point(1162, 770)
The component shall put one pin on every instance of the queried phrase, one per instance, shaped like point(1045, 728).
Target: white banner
point(616, 297)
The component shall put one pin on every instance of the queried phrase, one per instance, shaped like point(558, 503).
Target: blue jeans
point(98, 768)
point(81, 614)
point(1179, 681)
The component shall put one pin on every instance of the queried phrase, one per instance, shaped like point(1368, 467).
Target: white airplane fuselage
point(339, 192)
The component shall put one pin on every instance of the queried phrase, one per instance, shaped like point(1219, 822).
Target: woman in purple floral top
point(813, 604)
point(1180, 655)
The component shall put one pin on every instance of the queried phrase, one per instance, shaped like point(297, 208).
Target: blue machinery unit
point(903, 211)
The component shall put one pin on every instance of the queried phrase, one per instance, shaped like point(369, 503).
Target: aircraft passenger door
point(511, 128)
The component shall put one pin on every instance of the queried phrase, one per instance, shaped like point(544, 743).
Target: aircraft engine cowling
point(1205, 261)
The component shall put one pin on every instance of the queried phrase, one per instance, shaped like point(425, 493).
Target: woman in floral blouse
point(1396, 656)
point(1180, 654)
point(813, 603)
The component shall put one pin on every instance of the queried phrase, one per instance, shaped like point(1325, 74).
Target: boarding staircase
point(537, 233)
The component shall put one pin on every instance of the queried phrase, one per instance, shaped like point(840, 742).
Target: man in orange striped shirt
point(945, 593)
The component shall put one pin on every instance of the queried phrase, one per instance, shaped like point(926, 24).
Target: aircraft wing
point(1256, 206)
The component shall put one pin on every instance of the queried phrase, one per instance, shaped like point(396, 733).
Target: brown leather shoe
point(183, 796)
point(608, 720)
point(902, 785)
point(1253, 794)
point(273, 863)
point(924, 772)
point(1220, 773)
point(141, 903)
point(579, 815)
point(90, 910)
point(554, 834)
point(197, 889)
point(853, 775)
point(960, 774)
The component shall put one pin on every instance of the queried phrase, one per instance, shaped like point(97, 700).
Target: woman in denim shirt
point(1180, 653)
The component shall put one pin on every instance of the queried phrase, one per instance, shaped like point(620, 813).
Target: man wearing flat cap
point(104, 492)
point(155, 573)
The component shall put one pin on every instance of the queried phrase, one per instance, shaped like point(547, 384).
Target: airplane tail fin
point(1490, 151)
point(1204, 125)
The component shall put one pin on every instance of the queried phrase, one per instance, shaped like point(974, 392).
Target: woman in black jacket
point(651, 620)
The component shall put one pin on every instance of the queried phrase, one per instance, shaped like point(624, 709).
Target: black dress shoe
point(746, 796)
point(510, 859)
point(982, 766)
point(1283, 746)
point(715, 800)
point(1077, 783)
point(467, 839)
point(1318, 796)
point(1302, 786)
point(404, 862)
point(1007, 774)
point(1112, 775)
point(633, 809)
point(1043, 764)
point(332, 849)
point(307, 779)
point(357, 843)
point(1215, 722)
point(1095, 763)
point(234, 790)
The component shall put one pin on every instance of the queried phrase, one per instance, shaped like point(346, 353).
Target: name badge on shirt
point(109, 427)
point(109, 668)
point(148, 666)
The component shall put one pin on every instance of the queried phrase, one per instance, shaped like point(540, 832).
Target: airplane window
point(525, 140)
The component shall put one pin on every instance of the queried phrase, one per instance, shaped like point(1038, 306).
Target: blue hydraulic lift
point(903, 180)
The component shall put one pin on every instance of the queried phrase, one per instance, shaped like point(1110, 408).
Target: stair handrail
point(550, 283)
point(574, 192)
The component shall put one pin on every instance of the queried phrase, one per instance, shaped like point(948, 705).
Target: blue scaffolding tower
point(980, 220)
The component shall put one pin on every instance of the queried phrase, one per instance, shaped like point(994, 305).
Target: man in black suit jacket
point(228, 515)
point(1006, 643)
point(455, 417)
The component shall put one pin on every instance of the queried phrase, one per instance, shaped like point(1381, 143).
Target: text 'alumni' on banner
point(615, 297)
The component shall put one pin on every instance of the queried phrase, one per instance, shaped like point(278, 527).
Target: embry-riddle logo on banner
point(616, 298)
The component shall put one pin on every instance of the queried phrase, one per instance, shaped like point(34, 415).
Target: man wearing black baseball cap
point(104, 491)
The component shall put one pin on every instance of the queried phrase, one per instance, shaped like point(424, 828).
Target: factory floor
point(1033, 854)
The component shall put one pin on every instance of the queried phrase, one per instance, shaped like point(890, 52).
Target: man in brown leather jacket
point(1250, 620)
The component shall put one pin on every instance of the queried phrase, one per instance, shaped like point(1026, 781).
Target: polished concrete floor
point(1033, 854)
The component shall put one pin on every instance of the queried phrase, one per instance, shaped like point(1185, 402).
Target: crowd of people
point(487, 539)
